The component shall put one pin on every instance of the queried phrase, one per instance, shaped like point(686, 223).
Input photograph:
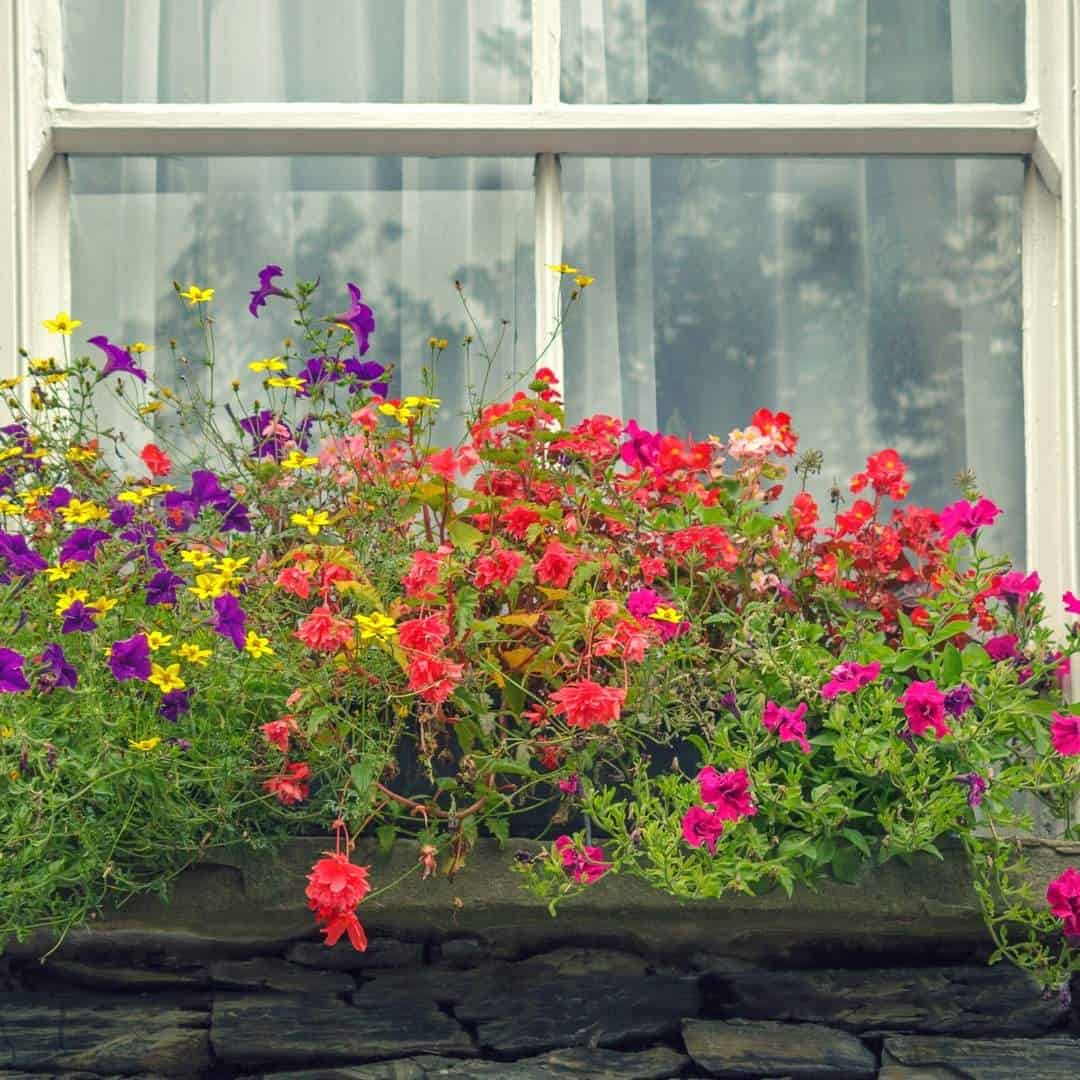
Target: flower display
point(314, 606)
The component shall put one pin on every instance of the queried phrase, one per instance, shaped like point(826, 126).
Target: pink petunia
point(849, 677)
point(1072, 604)
point(924, 707)
point(1065, 734)
point(788, 724)
point(966, 517)
point(729, 792)
point(585, 866)
point(702, 827)
point(1017, 583)
point(1063, 896)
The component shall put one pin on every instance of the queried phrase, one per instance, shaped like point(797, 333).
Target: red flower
point(325, 631)
point(854, 519)
point(517, 520)
point(556, 567)
point(294, 580)
point(423, 575)
point(586, 703)
point(427, 635)
point(342, 923)
point(499, 567)
point(335, 887)
point(778, 427)
point(289, 787)
point(156, 460)
point(825, 569)
point(1063, 896)
point(805, 511)
point(434, 678)
point(277, 732)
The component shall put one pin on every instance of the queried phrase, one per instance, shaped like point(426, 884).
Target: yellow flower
point(157, 640)
point(257, 646)
point(41, 365)
point(401, 414)
point(286, 382)
point(10, 384)
point(197, 295)
point(37, 399)
point(166, 677)
point(562, 268)
point(298, 460)
point(230, 567)
point(194, 655)
point(376, 625)
point(198, 559)
point(103, 605)
point(144, 744)
point(159, 489)
point(415, 402)
point(312, 520)
point(141, 346)
point(583, 281)
point(80, 454)
point(666, 614)
point(270, 363)
point(78, 512)
point(61, 572)
point(437, 342)
point(62, 324)
point(6, 732)
point(69, 597)
point(8, 507)
point(209, 586)
point(135, 497)
point(57, 377)
point(10, 452)
point(151, 407)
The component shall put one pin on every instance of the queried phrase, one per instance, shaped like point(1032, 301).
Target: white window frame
point(39, 127)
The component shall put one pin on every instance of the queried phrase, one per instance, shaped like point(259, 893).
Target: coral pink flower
point(335, 887)
point(966, 517)
point(277, 732)
point(652, 567)
point(586, 703)
point(156, 460)
point(556, 567)
point(294, 580)
point(701, 826)
point(728, 791)
point(325, 631)
point(584, 866)
point(427, 635)
point(500, 567)
point(423, 575)
point(924, 707)
point(1065, 734)
point(434, 678)
point(517, 520)
point(788, 724)
point(1063, 896)
point(849, 677)
point(289, 787)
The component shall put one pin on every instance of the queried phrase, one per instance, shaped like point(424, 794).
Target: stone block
point(272, 973)
point(913, 1057)
point(380, 953)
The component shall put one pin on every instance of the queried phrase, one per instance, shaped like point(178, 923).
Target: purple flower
point(359, 319)
point(118, 359)
point(367, 371)
point(183, 507)
point(130, 658)
point(79, 619)
point(161, 588)
point(230, 620)
point(81, 545)
point(21, 558)
point(144, 536)
point(317, 371)
point(174, 704)
point(959, 700)
point(20, 435)
point(976, 786)
point(266, 288)
point(12, 679)
point(183, 745)
point(60, 672)
point(60, 496)
point(121, 514)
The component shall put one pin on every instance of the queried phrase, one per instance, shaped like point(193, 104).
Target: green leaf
point(846, 865)
point(464, 536)
point(908, 659)
point(499, 827)
point(857, 839)
point(385, 836)
point(952, 665)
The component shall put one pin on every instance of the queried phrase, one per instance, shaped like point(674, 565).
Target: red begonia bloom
point(294, 580)
point(517, 520)
point(729, 792)
point(556, 566)
point(586, 703)
point(1065, 734)
point(924, 707)
point(335, 887)
point(156, 460)
point(325, 631)
point(289, 787)
point(701, 826)
point(1063, 896)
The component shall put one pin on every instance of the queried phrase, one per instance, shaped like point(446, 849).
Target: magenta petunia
point(12, 677)
point(967, 517)
point(924, 707)
point(849, 677)
point(1063, 896)
point(1072, 604)
point(117, 359)
point(977, 785)
point(729, 792)
point(359, 319)
point(788, 724)
point(641, 603)
point(702, 827)
point(1065, 734)
point(1002, 647)
point(584, 866)
point(266, 288)
point(1018, 584)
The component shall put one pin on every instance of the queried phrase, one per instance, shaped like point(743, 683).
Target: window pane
point(878, 301)
point(198, 51)
point(666, 52)
point(403, 229)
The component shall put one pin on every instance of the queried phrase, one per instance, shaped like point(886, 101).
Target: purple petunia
point(976, 786)
point(161, 588)
point(21, 558)
point(367, 371)
point(266, 288)
point(79, 619)
point(183, 507)
point(12, 678)
point(174, 704)
point(130, 658)
point(60, 672)
point(359, 319)
point(118, 359)
point(81, 545)
point(959, 700)
point(230, 619)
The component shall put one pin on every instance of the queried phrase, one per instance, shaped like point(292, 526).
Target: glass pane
point(877, 301)
point(403, 229)
point(199, 51)
point(666, 52)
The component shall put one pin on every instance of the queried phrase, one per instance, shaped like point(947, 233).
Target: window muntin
point(668, 52)
point(218, 51)
point(877, 300)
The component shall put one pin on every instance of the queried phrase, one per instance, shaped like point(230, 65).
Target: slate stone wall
point(463, 1009)
point(469, 978)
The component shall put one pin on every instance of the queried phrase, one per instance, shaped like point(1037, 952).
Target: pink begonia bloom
point(924, 707)
point(849, 677)
point(1065, 734)
point(788, 724)
point(1002, 647)
point(1063, 896)
point(584, 867)
point(728, 791)
point(1072, 604)
point(966, 517)
point(701, 826)
point(1017, 583)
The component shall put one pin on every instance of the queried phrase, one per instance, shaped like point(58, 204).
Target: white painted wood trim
point(549, 252)
point(774, 130)
point(546, 52)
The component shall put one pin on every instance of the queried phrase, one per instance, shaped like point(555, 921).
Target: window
point(860, 211)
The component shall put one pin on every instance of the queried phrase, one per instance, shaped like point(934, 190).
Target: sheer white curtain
point(876, 300)
point(403, 229)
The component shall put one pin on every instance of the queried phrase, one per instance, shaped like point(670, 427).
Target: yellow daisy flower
point(197, 295)
point(144, 744)
point(166, 677)
point(376, 625)
point(157, 640)
point(62, 324)
point(298, 460)
point(270, 363)
point(194, 655)
point(257, 646)
point(312, 520)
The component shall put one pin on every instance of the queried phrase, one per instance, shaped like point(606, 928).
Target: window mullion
point(13, 195)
